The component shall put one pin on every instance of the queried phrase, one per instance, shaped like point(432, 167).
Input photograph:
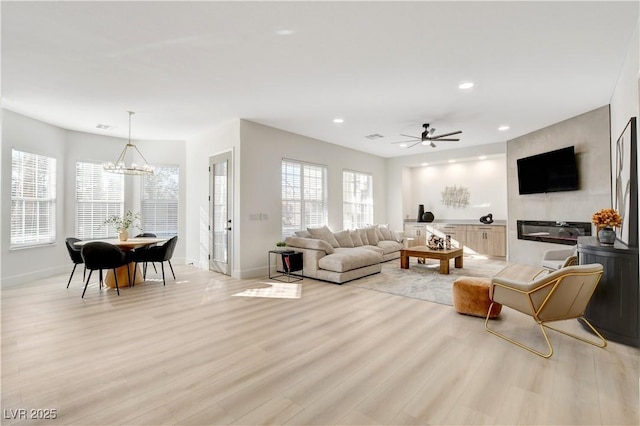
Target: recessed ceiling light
point(284, 31)
point(425, 164)
point(403, 145)
point(452, 161)
point(503, 128)
point(482, 157)
point(338, 120)
point(465, 85)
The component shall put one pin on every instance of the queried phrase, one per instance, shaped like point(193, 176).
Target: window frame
point(176, 202)
point(48, 237)
point(361, 211)
point(97, 230)
point(301, 194)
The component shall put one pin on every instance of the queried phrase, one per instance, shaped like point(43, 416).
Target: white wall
point(625, 102)
point(486, 181)
point(68, 147)
point(33, 136)
point(262, 150)
point(223, 137)
point(404, 185)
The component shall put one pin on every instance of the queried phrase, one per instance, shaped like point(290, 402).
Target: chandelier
point(129, 152)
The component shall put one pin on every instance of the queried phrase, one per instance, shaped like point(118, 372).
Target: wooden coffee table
point(424, 252)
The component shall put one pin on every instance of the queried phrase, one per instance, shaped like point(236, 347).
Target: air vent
point(104, 127)
point(374, 136)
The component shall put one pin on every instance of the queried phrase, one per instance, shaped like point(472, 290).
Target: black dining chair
point(160, 254)
point(75, 255)
point(146, 235)
point(100, 255)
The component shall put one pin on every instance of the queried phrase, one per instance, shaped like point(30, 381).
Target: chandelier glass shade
point(126, 163)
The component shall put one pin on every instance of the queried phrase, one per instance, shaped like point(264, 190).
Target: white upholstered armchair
point(556, 296)
point(556, 259)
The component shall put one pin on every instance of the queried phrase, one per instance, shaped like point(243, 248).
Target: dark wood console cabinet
point(613, 309)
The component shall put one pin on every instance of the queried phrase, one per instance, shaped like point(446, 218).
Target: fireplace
point(558, 232)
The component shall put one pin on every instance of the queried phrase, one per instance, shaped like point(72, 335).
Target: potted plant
point(123, 223)
point(606, 220)
point(280, 245)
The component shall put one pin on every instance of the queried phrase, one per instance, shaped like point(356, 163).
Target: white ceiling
point(384, 67)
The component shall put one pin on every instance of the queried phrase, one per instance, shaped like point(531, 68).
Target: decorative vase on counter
point(428, 217)
point(607, 236)
point(487, 220)
point(420, 212)
point(123, 235)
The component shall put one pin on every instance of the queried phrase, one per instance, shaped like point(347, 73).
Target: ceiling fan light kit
point(427, 137)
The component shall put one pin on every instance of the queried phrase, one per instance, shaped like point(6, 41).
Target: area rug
point(274, 290)
point(423, 281)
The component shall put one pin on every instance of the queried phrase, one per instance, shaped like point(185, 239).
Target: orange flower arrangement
point(607, 218)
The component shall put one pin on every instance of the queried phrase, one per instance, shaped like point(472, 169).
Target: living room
point(401, 183)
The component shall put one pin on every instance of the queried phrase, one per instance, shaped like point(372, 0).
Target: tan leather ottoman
point(471, 297)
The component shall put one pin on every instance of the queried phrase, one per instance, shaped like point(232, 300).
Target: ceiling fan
point(427, 137)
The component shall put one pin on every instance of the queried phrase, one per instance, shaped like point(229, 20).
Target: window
point(99, 194)
point(357, 199)
point(304, 196)
point(160, 201)
point(33, 199)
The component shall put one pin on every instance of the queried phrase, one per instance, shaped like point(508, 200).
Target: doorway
point(220, 210)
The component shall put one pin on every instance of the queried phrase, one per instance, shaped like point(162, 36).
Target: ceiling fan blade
point(446, 140)
point(414, 144)
point(445, 134)
point(413, 140)
point(409, 136)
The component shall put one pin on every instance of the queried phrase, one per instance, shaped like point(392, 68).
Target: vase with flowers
point(606, 220)
point(123, 223)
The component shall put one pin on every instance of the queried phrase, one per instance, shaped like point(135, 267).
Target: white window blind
point(357, 199)
point(33, 199)
point(304, 196)
point(160, 195)
point(98, 195)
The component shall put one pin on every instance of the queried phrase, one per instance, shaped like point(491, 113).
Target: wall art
point(625, 183)
point(456, 197)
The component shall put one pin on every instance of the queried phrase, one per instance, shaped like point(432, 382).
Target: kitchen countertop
point(460, 222)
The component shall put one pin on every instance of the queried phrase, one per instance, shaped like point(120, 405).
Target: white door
point(220, 213)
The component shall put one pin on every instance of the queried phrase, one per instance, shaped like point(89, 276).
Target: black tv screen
point(552, 171)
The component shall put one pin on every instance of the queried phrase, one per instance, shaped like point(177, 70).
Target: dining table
point(125, 279)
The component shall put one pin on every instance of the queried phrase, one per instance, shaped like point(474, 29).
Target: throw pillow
point(325, 234)
point(372, 236)
point(344, 239)
point(303, 234)
point(363, 236)
point(309, 243)
point(355, 237)
point(386, 233)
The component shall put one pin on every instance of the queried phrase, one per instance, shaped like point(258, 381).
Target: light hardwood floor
point(190, 353)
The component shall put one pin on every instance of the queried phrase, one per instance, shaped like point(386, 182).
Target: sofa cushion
point(372, 235)
point(346, 259)
point(355, 237)
point(389, 246)
point(310, 243)
point(344, 239)
point(325, 234)
point(386, 233)
point(363, 236)
point(374, 248)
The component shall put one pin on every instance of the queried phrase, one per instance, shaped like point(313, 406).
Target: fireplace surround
point(559, 232)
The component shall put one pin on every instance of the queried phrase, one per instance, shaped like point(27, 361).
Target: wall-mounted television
point(551, 171)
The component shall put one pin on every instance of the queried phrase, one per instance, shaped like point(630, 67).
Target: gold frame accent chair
point(557, 296)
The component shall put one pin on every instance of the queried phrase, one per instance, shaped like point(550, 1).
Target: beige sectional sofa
point(343, 256)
